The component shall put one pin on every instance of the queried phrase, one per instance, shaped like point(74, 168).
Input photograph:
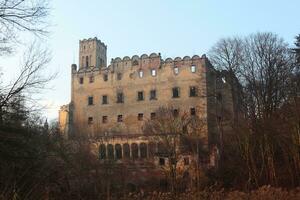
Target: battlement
point(95, 39)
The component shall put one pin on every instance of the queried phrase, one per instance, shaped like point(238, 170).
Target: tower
point(92, 53)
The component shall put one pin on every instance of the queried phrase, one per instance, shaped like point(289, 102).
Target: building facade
point(111, 103)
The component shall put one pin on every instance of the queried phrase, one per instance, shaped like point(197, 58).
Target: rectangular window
point(104, 119)
point(120, 97)
point(104, 99)
point(120, 118)
point(119, 76)
point(153, 95)
point(90, 101)
point(90, 120)
point(91, 79)
point(81, 80)
point(193, 111)
point(140, 116)
point(105, 77)
point(193, 91)
point(175, 112)
point(161, 161)
point(152, 116)
point(141, 74)
point(176, 70)
point(175, 92)
point(186, 160)
point(193, 68)
point(140, 96)
point(153, 72)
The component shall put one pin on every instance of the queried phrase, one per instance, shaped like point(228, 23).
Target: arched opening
point(135, 151)
point(86, 61)
point(118, 150)
point(143, 150)
point(126, 151)
point(152, 149)
point(82, 61)
point(110, 151)
point(102, 151)
point(135, 62)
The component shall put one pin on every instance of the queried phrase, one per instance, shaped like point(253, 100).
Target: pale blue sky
point(173, 28)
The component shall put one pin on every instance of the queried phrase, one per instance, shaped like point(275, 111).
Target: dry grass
point(263, 193)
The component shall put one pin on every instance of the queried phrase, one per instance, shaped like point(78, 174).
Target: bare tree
point(177, 132)
point(31, 80)
point(21, 15)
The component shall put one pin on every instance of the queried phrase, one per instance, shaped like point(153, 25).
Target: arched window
point(135, 62)
point(176, 70)
point(143, 150)
point(82, 61)
point(86, 61)
point(141, 73)
point(102, 151)
point(118, 149)
point(126, 151)
point(135, 151)
point(110, 151)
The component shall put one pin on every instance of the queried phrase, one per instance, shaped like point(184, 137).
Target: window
point(104, 99)
point(86, 61)
point(140, 96)
point(186, 160)
point(81, 80)
point(152, 116)
point(219, 96)
point(153, 95)
point(193, 68)
point(90, 101)
point(120, 118)
point(161, 161)
point(90, 120)
point(153, 72)
point(135, 62)
point(105, 77)
point(120, 97)
point(91, 79)
point(175, 112)
point(193, 111)
point(193, 91)
point(141, 73)
point(119, 76)
point(176, 70)
point(104, 119)
point(140, 116)
point(175, 92)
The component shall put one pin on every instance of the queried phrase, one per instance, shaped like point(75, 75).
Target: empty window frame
point(104, 119)
point(90, 120)
point(90, 100)
point(141, 73)
point(193, 111)
point(153, 72)
point(105, 77)
point(193, 68)
point(120, 97)
point(152, 115)
point(175, 113)
point(119, 76)
point(104, 99)
point(120, 118)
point(193, 91)
point(161, 161)
point(140, 96)
point(176, 70)
point(152, 94)
point(175, 92)
point(81, 80)
point(91, 79)
point(140, 116)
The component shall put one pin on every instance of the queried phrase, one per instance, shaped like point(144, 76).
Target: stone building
point(111, 103)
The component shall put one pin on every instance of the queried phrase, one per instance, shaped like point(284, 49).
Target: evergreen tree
point(297, 49)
